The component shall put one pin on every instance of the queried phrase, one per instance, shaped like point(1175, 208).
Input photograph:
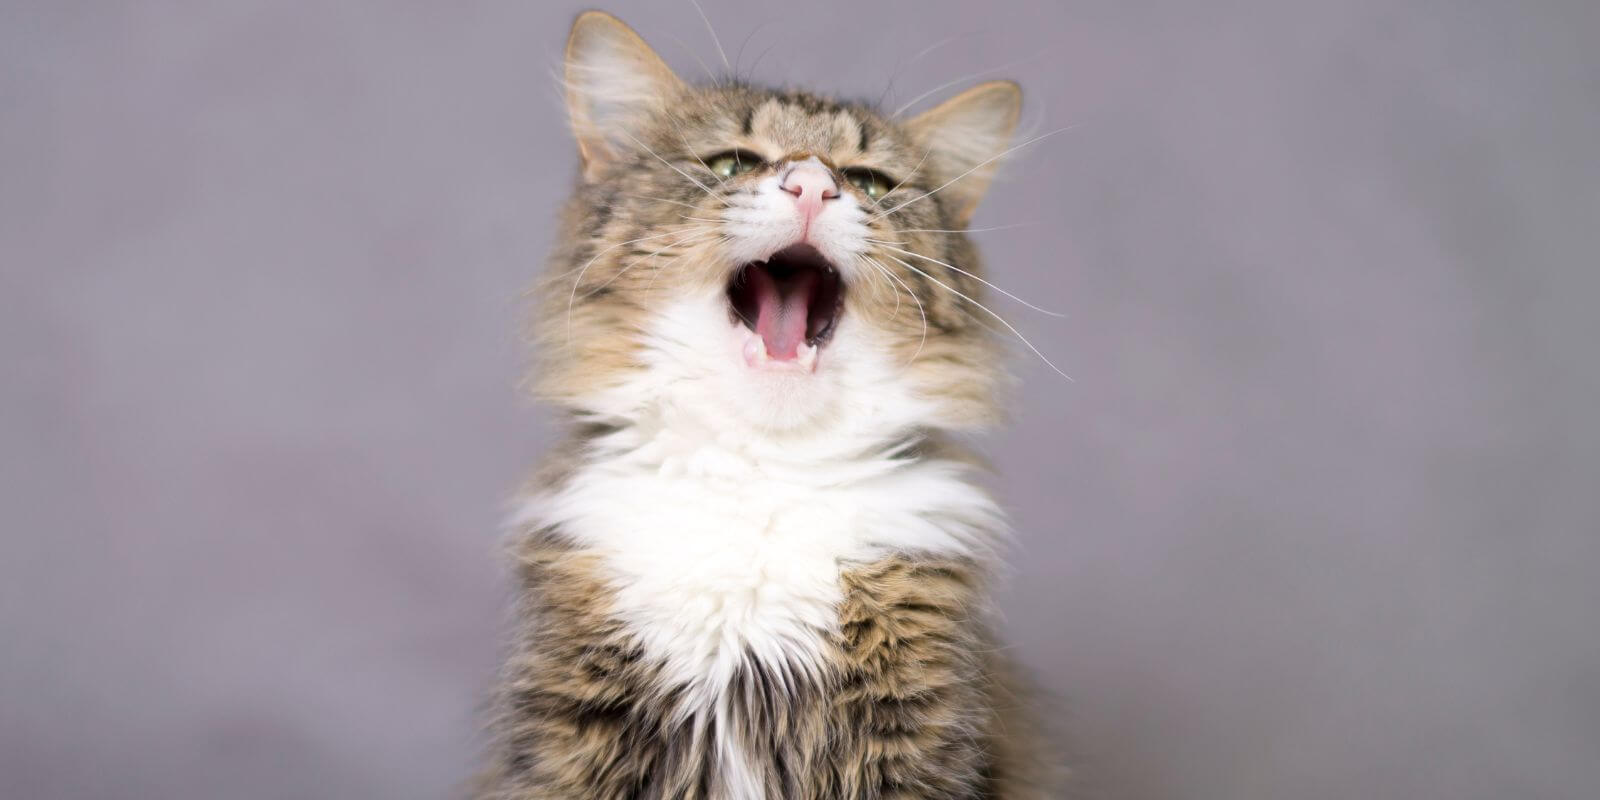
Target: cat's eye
point(871, 182)
point(733, 162)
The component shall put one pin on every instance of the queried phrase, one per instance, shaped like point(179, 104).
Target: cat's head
point(772, 264)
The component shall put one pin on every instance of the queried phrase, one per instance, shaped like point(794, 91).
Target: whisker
point(656, 273)
point(694, 53)
point(901, 65)
point(879, 268)
point(762, 57)
point(678, 129)
point(674, 167)
point(635, 261)
point(966, 230)
point(920, 309)
point(572, 298)
point(912, 171)
point(739, 56)
point(613, 247)
point(970, 275)
point(986, 310)
point(656, 270)
point(713, 32)
point(663, 200)
point(981, 165)
point(936, 45)
point(963, 79)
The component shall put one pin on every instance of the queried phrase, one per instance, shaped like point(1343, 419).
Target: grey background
point(1316, 519)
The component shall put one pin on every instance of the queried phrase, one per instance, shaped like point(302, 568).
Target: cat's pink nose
point(811, 183)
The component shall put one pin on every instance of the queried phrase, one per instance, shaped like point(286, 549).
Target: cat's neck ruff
point(725, 548)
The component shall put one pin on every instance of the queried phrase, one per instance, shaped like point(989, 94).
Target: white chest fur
point(719, 554)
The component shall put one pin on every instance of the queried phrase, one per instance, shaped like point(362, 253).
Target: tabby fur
point(738, 586)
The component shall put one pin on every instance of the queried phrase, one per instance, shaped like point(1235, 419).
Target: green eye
point(871, 182)
point(733, 162)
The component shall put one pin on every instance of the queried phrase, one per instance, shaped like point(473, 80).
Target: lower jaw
point(754, 351)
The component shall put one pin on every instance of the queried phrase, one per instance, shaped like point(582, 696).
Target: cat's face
point(767, 262)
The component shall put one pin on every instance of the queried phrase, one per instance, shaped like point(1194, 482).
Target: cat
point(756, 568)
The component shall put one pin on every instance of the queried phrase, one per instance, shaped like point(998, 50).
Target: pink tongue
point(781, 312)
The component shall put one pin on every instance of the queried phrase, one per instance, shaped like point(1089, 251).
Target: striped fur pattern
point(740, 582)
point(909, 706)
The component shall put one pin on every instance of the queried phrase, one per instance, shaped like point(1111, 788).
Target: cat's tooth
point(807, 356)
point(755, 351)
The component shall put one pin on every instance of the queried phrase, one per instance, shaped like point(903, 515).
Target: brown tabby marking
point(906, 710)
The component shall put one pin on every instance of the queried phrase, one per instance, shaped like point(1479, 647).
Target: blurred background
point(1318, 517)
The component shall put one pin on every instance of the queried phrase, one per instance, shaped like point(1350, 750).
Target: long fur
point(740, 585)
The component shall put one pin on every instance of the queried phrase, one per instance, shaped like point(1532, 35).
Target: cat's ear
point(964, 136)
point(614, 82)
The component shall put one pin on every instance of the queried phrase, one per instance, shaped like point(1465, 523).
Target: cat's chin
point(782, 396)
point(779, 400)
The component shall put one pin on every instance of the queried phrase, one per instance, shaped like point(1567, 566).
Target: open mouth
point(791, 301)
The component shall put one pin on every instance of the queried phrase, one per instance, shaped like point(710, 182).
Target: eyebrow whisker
point(674, 167)
point(981, 165)
point(713, 31)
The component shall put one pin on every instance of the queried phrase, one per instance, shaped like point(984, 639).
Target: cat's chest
point(715, 558)
point(712, 561)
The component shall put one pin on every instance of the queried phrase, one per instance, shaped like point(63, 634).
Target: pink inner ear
point(782, 312)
